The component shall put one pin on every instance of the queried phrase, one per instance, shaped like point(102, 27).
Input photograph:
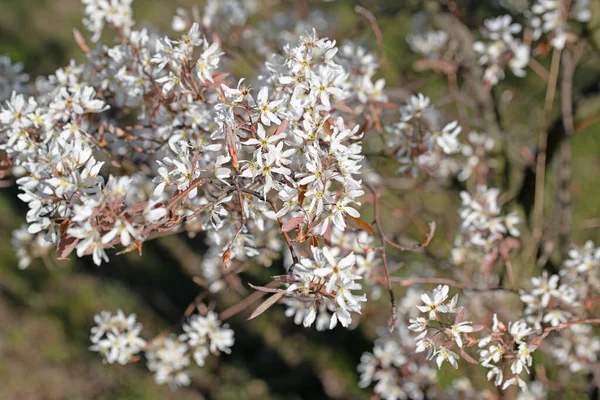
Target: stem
point(593, 321)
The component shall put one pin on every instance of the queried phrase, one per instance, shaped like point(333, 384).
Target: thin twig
point(593, 321)
point(384, 256)
point(378, 35)
point(540, 178)
point(553, 78)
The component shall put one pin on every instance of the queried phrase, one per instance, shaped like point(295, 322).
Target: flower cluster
point(556, 299)
point(12, 78)
point(419, 141)
point(168, 357)
point(476, 150)
point(115, 13)
point(438, 326)
point(507, 346)
point(394, 371)
point(551, 18)
point(324, 289)
point(485, 234)
point(117, 339)
point(502, 49)
point(396, 368)
point(430, 44)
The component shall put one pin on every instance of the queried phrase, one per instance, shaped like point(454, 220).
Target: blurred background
point(46, 311)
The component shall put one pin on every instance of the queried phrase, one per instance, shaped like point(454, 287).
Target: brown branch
point(383, 240)
point(545, 331)
point(551, 88)
point(184, 193)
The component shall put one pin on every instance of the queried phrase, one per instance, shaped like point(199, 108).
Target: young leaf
point(66, 246)
point(265, 305)
point(265, 289)
point(291, 224)
point(361, 223)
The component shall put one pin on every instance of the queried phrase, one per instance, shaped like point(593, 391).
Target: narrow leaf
point(265, 305)
point(361, 223)
point(80, 40)
point(467, 357)
point(265, 289)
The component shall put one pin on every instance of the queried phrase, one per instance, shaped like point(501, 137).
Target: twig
point(593, 321)
point(538, 68)
point(540, 177)
point(383, 240)
point(378, 35)
point(553, 78)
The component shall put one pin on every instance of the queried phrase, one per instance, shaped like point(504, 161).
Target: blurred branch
point(378, 35)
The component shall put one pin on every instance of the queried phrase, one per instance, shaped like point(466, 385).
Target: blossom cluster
point(117, 339)
point(485, 234)
point(420, 141)
point(551, 18)
point(567, 296)
point(324, 285)
point(502, 49)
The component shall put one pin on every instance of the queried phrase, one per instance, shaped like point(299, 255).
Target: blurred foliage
point(46, 311)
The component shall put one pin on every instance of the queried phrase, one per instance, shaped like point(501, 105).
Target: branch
point(444, 281)
point(546, 331)
point(378, 35)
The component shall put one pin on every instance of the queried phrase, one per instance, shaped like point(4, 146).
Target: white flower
point(443, 354)
point(267, 109)
point(435, 304)
point(459, 328)
point(447, 139)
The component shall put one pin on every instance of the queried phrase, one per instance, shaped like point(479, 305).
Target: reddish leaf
point(467, 357)
point(314, 241)
point(342, 107)
point(430, 234)
point(227, 258)
point(459, 315)
point(291, 224)
point(281, 127)
point(301, 194)
point(536, 341)
point(230, 140)
point(80, 40)
point(66, 246)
